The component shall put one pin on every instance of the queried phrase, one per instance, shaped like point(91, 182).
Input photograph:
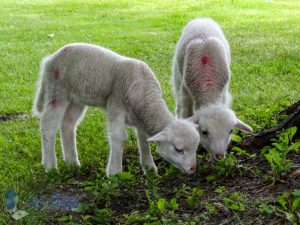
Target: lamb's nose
point(193, 168)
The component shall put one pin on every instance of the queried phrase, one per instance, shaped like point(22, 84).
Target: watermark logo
point(56, 201)
point(52, 202)
point(11, 204)
point(11, 200)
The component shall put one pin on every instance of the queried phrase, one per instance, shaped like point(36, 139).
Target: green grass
point(263, 35)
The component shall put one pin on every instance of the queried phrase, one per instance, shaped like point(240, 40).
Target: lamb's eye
point(180, 151)
point(205, 132)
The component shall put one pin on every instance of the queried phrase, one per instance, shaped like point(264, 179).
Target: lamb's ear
point(194, 125)
point(194, 119)
point(161, 136)
point(243, 127)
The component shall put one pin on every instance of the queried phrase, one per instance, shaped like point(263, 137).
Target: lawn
point(264, 37)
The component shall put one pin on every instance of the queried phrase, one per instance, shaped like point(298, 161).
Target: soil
point(14, 116)
point(250, 183)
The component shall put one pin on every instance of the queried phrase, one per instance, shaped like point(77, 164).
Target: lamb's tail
point(39, 101)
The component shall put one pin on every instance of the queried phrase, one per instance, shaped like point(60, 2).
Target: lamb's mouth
point(215, 158)
point(177, 166)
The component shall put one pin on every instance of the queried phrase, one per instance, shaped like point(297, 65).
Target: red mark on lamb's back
point(54, 103)
point(207, 80)
point(56, 73)
point(204, 60)
point(206, 76)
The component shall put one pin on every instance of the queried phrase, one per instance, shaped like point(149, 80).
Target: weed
point(137, 217)
point(67, 218)
point(235, 202)
point(195, 196)
point(211, 209)
point(182, 191)
point(235, 137)
point(171, 171)
point(105, 190)
point(226, 167)
point(277, 155)
point(221, 190)
point(173, 205)
point(287, 206)
point(241, 152)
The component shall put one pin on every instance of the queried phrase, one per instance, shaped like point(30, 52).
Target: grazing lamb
point(201, 77)
point(83, 74)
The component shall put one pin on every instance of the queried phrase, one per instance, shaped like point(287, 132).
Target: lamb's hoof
point(73, 162)
point(48, 169)
point(49, 166)
point(113, 171)
point(148, 168)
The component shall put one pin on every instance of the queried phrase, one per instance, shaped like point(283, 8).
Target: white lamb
point(201, 74)
point(82, 74)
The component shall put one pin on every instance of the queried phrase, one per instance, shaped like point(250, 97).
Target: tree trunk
point(263, 138)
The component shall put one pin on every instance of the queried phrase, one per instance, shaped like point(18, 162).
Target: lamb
point(201, 74)
point(80, 75)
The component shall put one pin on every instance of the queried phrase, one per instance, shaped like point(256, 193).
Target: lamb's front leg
point(117, 137)
point(146, 158)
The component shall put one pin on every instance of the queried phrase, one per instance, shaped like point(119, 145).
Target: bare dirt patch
point(14, 116)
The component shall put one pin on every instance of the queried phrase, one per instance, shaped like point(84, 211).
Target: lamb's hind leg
point(146, 158)
point(50, 121)
point(184, 104)
point(117, 137)
point(68, 132)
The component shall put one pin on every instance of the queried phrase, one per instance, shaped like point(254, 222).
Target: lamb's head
point(177, 143)
point(215, 125)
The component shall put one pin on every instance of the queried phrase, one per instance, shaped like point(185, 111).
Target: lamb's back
point(200, 28)
point(84, 72)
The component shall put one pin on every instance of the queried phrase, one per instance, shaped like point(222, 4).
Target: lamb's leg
point(68, 132)
point(117, 137)
point(50, 121)
point(146, 158)
point(184, 104)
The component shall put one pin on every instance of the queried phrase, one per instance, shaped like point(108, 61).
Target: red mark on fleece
point(54, 103)
point(56, 73)
point(207, 80)
point(204, 60)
